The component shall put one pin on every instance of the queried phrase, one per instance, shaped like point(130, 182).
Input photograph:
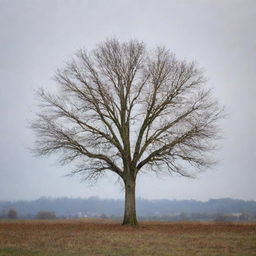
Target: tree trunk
point(130, 204)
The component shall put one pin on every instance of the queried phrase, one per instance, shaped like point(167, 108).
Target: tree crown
point(123, 108)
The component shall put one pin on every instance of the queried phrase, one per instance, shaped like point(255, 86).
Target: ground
point(106, 238)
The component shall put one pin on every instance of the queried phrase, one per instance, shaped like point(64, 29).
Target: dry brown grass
point(99, 237)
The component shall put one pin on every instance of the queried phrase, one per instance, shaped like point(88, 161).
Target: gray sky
point(38, 36)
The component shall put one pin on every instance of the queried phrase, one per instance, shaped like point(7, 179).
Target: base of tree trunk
point(130, 205)
point(130, 221)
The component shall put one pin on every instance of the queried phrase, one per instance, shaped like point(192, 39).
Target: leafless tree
point(12, 214)
point(123, 108)
point(45, 215)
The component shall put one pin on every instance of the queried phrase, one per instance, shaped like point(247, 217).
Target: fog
point(37, 37)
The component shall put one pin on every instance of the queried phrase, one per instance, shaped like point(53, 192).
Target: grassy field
point(92, 237)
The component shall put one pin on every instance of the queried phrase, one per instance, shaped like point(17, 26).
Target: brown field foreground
point(96, 237)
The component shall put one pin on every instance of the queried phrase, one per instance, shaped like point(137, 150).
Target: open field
point(96, 237)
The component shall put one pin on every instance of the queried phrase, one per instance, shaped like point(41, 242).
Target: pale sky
point(38, 36)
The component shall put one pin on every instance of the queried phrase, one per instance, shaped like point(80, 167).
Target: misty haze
point(127, 112)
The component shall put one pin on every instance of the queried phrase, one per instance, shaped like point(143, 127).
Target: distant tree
point(124, 109)
point(12, 214)
point(220, 218)
point(244, 217)
point(183, 216)
point(45, 215)
point(3, 214)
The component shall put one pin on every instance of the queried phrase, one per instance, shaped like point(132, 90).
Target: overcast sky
point(38, 36)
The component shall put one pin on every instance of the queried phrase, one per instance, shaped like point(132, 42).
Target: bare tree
point(45, 215)
point(12, 214)
point(124, 109)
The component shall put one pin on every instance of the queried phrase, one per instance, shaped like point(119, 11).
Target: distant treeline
point(147, 209)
